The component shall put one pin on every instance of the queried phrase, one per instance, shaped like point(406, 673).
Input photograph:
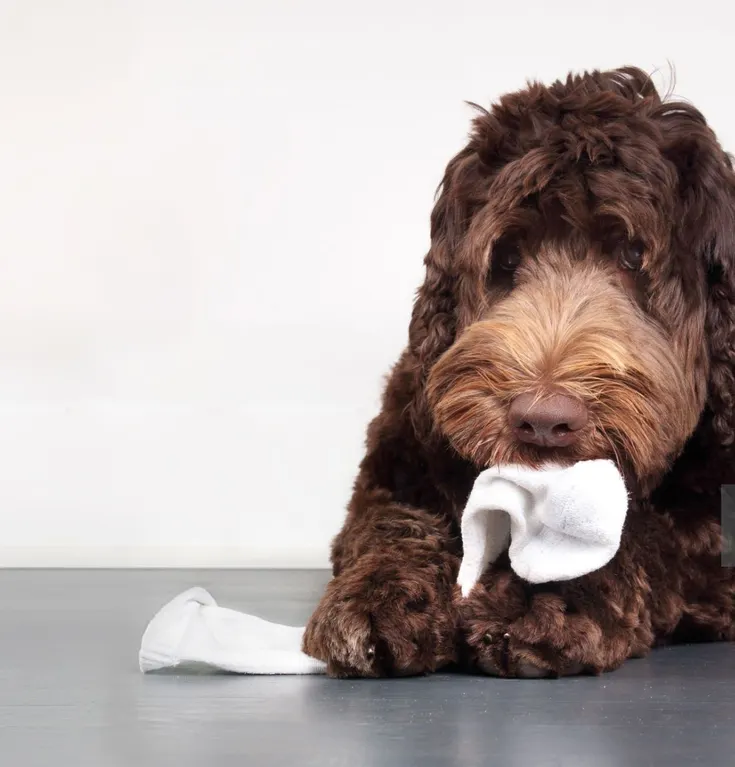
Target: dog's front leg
point(389, 609)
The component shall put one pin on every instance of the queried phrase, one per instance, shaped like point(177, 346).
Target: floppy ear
point(434, 320)
point(720, 322)
point(707, 193)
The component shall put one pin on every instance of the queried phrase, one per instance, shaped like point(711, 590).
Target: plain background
point(213, 218)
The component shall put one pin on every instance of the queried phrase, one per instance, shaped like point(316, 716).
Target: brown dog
point(579, 303)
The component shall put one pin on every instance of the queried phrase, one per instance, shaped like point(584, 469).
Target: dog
point(578, 303)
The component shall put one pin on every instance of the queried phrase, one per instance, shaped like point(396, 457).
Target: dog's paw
point(378, 619)
point(510, 630)
point(507, 657)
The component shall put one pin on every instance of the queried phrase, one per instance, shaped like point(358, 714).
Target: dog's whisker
point(613, 447)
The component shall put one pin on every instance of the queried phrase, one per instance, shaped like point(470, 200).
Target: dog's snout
point(553, 421)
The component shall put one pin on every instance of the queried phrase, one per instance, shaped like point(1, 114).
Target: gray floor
point(71, 694)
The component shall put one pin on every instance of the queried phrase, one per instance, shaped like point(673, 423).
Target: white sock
point(562, 523)
point(193, 629)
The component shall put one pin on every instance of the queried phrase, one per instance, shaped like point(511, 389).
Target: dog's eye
point(630, 255)
point(506, 255)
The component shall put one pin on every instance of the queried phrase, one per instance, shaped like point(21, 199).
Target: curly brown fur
point(583, 243)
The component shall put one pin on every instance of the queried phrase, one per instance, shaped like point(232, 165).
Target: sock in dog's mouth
point(557, 522)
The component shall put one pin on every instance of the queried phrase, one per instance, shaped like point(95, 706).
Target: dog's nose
point(553, 421)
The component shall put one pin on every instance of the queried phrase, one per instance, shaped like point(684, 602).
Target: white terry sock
point(193, 629)
point(561, 523)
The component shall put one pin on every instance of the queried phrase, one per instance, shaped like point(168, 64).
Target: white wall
point(212, 220)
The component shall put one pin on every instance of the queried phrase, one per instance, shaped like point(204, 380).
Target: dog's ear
point(434, 320)
point(707, 231)
point(720, 319)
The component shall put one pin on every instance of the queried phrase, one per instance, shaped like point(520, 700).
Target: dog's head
point(579, 299)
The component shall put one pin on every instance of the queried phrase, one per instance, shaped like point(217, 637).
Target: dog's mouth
point(511, 451)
